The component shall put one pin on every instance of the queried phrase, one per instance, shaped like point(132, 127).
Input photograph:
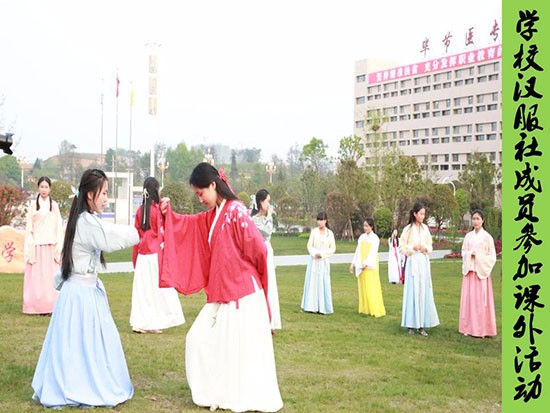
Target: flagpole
point(101, 161)
point(131, 169)
point(115, 166)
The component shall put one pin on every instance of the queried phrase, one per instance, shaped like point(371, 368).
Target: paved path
point(280, 260)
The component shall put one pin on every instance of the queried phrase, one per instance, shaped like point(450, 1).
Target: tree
point(182, 161)
point(180, 197)
point(10, 171)
point(314, 154)
point(383, 218)
point(12, 204)
point(463, 200)
point(401, 183)
point(351, 149)
point(339, 206)
point(234, 173)
point(493, 222)
point(443, 205)
point(376, 146)
point(67, 161)
point(293, 161)
point(311, 192)
point(60, 193)
point(243, 196)
point(358, 185)
point(479, 178)
point(290, 210)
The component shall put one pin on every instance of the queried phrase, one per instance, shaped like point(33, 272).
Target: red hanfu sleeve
point(252, 246)
point(186, 258)
point(135, 249)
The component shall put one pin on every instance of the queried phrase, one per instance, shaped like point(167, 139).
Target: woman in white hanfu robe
point(317, 296)
point(262, 215)
point(395, 260)
point(82, 361)
point(477, 306)
point(419, 310)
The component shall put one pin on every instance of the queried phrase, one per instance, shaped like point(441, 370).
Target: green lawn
point(344, 362)
point(289, 245)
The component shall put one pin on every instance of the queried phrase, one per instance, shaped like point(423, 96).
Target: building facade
point(439, 111)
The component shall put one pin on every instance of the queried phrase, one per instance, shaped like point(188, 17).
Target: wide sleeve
point(186, 257)
point(250, 241)
point(109, 237)
point(406, 241)
point(310, 244)
point(466, 253)
point(28, 248)
point(58, 232)
point(486, 256)
point(371, 260)
point(330, 247)
point(356, 262)
point(428, 243)
point(264, 225)
point(137, 226)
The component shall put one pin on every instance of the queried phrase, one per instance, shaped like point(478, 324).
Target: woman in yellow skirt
point(365, 262)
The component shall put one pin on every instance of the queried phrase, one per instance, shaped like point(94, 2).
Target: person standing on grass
point(229, 357)
point(395, 259)
point(82, 361)
point(415, 243)
point(477, 306)
point(153, 308)
point(365, 262)
point(317, 296)
point(42, 251)
point(262, 215)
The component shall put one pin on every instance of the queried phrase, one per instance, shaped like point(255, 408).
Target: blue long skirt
point(418, 299)
point(82, 362)
point(317, 297)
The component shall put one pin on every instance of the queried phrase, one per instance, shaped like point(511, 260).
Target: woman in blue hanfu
point(317, 297)
point(415, 243)
point(82, 361)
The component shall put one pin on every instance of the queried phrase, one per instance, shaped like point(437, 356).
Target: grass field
point(281, 246)
point(344, 362)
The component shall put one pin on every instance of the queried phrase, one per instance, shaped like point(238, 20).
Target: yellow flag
point(132, 97)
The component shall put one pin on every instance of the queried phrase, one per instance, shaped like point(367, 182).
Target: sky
point(244, 73)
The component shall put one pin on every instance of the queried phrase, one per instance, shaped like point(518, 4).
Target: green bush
point(383, 220)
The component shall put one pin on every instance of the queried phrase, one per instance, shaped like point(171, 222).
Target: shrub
point(498, 247)
point(12, 201)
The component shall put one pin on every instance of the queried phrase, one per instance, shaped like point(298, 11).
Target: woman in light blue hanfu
point(82, 361)
point(419, 310)
point(317, 297)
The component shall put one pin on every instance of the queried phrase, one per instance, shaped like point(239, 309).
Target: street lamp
point(270, 168)
point(22, 163)
point(163, 166)
point(448, 180)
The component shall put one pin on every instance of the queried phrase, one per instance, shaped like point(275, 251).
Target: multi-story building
point(440, 111)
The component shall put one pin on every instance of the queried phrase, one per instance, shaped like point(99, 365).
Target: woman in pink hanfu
point(477, 307)
point(42, 251)
point(229, 357)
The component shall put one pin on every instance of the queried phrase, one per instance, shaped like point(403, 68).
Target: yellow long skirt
point(371, 301)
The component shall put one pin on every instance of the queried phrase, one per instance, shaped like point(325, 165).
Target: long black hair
point(260, 196)
point(92, 181)
point(151, 193)
point(204, 174)
point(40, 180)
point(370, 221)
point(416, 207)
point(323, 215)
point(481, 214)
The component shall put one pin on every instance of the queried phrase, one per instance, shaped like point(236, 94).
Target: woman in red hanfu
point(230, 363)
